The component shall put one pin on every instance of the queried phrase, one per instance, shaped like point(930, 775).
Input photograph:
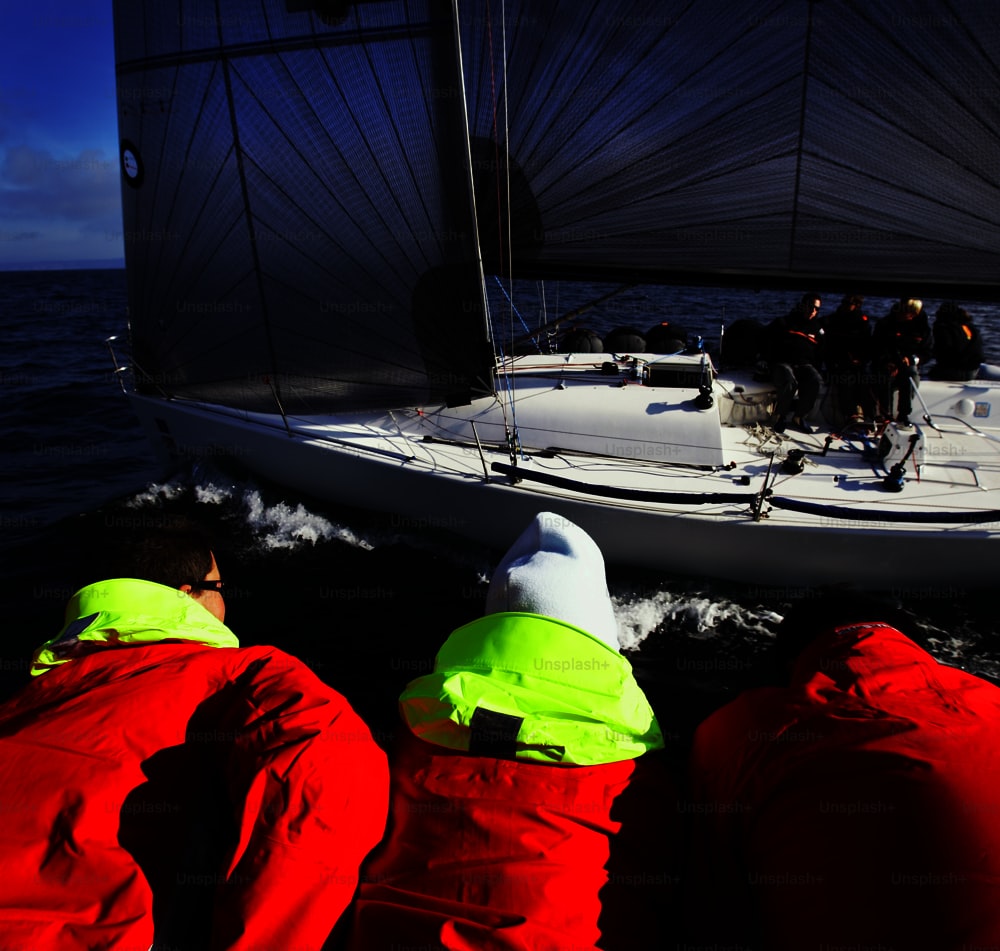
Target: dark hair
point(173, 553)
point(804, 308)
point(950, 311)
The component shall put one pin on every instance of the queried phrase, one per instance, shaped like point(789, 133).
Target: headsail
point(297, 204)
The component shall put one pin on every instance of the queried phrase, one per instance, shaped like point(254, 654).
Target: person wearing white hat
point(515, 748)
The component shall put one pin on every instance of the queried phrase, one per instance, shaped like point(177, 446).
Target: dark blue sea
point(365, 599)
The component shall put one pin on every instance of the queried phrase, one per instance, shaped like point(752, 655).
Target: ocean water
point(364, 599)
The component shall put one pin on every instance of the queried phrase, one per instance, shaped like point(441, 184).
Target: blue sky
point(60, 193)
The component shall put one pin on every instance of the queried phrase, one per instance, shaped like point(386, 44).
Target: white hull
point(633, 464)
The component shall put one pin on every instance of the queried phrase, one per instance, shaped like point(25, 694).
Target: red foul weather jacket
point(857, 807)
point(557, 835)
point(156, 780)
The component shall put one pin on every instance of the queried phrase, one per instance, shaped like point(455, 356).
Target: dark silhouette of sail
point(766, 144)
point(299, 177)
point(295, 181)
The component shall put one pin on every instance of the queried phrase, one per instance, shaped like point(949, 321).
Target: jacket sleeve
point(309, 787)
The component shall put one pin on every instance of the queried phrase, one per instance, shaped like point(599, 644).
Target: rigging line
point(496, 142)
point(531, 71)
point(511, 423)
point(245, 193)
point(476, 245)
point(543, 319)
point(504, 243)
point(583, 308)
point(515, 438)
point(793, 227)
point(517, 313)
point(506, 149)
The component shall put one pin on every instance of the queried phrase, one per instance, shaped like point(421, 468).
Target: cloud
point(38, 187)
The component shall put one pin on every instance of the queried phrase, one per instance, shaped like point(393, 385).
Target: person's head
point(809, 306)
point(556, 569)
point(852, 302)
point(910, 307)
point(950, 312)
point(175, 553)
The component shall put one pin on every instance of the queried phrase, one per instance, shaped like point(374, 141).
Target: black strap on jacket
point(494, 734)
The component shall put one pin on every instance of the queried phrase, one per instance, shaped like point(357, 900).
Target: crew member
point(515, 751)
point(164, 787)
point(855, 806)
point(793, 353)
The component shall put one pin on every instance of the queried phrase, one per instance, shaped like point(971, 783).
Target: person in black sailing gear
point(958, 345)
point(901, 341)
point(847, 349)
point(792, 349)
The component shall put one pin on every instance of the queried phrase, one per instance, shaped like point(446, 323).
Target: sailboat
point(320, 198)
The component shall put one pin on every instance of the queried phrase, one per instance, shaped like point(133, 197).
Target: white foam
point(212, 494)
point(686, 614)
point(281, 526)
point(156, 492)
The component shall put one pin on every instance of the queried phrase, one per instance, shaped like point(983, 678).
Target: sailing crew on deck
point(958, 345)
point(162, 784)
point(792, 350)
point(514, 752)
point(853, 806)
point(901, 341)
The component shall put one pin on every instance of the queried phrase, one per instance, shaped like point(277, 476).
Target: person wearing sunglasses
point(165, 787)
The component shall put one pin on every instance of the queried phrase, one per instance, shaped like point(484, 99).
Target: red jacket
point(226, 793)
point(501, 855)
point(856, 808)
point(530, 841)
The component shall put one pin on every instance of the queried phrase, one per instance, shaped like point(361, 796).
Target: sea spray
point(969, 652)
point(689, 615)
point(282, 526)
point(273, 525)
point(156, 493)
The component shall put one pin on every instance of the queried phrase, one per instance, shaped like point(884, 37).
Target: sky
point(60, 192)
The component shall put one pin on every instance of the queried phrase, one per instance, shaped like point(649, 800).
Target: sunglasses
point(208, 586)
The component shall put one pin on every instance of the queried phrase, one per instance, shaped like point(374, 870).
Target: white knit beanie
point(555, 568)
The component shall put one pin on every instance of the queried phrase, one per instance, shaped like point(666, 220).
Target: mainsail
point(829, 143)
point(299, 178)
